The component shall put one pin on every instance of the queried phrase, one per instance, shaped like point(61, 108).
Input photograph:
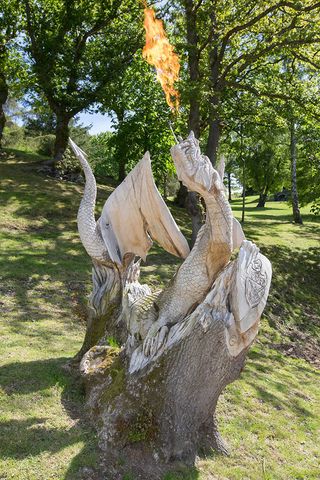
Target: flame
point(159, 53)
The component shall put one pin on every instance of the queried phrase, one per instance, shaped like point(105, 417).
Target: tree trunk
point(3, 99)
point(190, 200)
point(155, 421)
point(194, 210)
point(193, 65)
point(213, 140)
point(294, 190)
point(152, 391)
point(62, 137)
point(229, 186)
point(181, 196)
point(122, 168)
point(103, 307)
point(152, 418)
point(121, 147)
point(242, 159)
point(214, 120)
point(262, 200)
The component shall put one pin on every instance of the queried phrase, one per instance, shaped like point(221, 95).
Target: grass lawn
point(270, 417)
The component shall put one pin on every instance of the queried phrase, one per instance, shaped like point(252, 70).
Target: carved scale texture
point(210, 254)
point(89, 230)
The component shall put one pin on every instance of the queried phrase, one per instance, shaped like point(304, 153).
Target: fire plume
point(159, 53)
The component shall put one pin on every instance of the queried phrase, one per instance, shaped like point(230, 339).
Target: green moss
point(117, 372)
point(143, 428)
point(112, 341)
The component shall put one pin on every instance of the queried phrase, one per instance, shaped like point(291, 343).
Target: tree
point(76, 49)
point(39, 118)
point(228, 46)
point(299, 111)
point(264, 167)
point(141, 121)
point(10, 62)
point(308, 166)
point(294, 189)
point(102, 155)
point(155, 363)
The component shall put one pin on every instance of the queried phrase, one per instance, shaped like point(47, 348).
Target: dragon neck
point(218, 219)
point(87, 226)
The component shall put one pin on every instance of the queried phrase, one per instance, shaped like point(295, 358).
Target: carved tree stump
point(155, 364)
point(155, 420)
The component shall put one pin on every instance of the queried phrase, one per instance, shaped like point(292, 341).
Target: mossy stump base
point(158, 419)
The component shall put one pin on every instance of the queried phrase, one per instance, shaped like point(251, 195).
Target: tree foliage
point(141, 121)
point(76, 49)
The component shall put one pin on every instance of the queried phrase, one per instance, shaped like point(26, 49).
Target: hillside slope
point(270, 417)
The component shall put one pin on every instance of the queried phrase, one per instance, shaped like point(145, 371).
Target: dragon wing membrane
point(135, 213)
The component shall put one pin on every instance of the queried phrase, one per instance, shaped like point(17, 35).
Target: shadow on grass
point(295, 288)
point(32, 436)
point(20, 439)
point(284, 391)
point(39, 239)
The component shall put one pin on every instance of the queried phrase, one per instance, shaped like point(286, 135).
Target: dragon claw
point(154, 340)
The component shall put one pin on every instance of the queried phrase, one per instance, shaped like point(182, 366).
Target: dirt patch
point(300, 345)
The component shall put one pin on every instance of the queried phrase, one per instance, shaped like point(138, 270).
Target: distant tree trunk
point(243, 175)
point(3, 99)
point(262, 200)
point(121, 169)
point(194, 209)
point(213, 140)
point(62, 137)
point(214, 122)
point(191, 200)
point(229, 186)
point(181, 196)
point(294, 190)
point(121, 153)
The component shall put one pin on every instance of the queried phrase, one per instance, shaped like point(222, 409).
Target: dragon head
point(194, 170)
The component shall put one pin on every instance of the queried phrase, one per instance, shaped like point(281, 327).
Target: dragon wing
point(135, 213)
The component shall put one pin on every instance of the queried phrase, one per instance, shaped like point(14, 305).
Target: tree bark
point(294, 189)
point(3, 98)
point(191, 200)
point(121, 150)
point(214, 137)
point(262, 200)
point(154, 418)
point(214, 126)
point(121, 169)
point(229, 187)
point(193, 66)
point(153, 422)
point(62, 137)
point(103, 308)
point(242, 159)
point(194, 210)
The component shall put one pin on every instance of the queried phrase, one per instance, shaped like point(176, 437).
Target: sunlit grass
point(270, 417)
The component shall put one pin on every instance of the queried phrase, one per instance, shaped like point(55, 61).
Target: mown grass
point(270, 417)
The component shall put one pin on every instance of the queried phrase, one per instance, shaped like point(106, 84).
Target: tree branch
point(257, 18)
point(252, 57)
point(305, 59)
point(270, 95)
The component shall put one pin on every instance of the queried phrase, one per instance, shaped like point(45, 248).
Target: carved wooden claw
point(155, 339)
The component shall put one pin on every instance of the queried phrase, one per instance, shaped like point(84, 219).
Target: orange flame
point(159, 53)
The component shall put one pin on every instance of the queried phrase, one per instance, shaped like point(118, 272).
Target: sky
point(99, 122)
